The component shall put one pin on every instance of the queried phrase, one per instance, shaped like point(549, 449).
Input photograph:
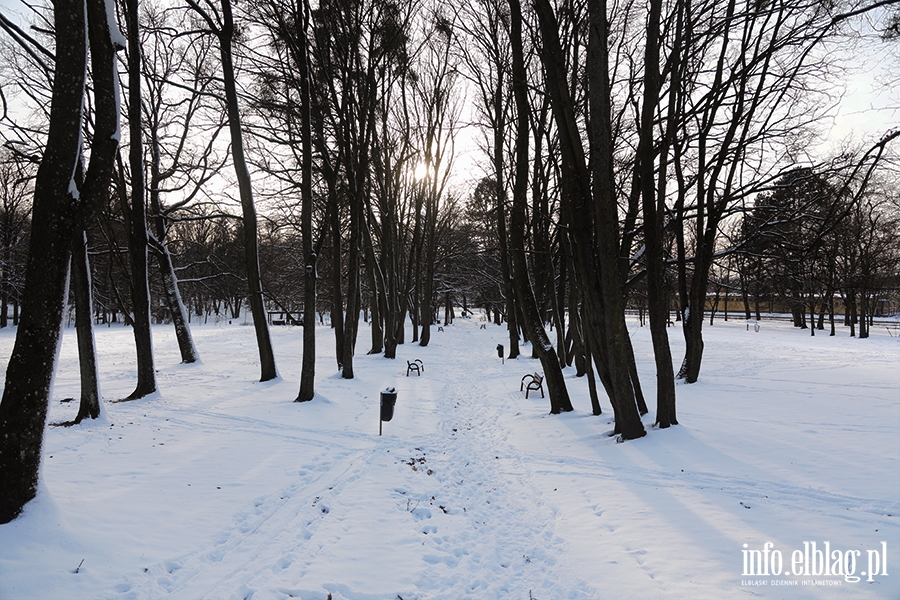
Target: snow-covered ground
point(221, 487)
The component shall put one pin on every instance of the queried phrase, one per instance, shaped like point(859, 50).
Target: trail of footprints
point(467, 497)
point(266, 538)
point(477, 511)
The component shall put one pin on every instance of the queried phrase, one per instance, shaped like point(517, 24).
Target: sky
point(11, 8)
point(869, 106)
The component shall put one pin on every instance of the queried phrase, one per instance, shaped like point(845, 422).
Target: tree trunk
point(812, 317)
point(56, 213)
point(592, 382)
point(414, 266)
point(180, 318)
point(449, 313)
point(797, 313)
point(602, 296)
point(499, 141)
point(351, 321)
point(225, 34)
point(559, 308)
point(390, 261)
point(377, 286)
point(635, 380)
point(138, 238)
point(715, 306)
point(89, 406)
point(693, 334)
point(427, 312)
point(831, 312)
point(531, 318)
point(4, 288)
point(863, 315)
point(580, 350)
point(850, 311)
point(612, 309)
point(337, 296)
point(23, 410)
point(308, 361)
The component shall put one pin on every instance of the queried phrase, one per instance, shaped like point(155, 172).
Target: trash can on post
point(388, 399)
point(500, 353)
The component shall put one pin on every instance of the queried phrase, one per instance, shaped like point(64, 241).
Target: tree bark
point(89, 406)
point(268, 370)
point(429, 231)
point(57, 212)
point(502, 238)
point(225, 33)
point(654, 211)
point(308, 362)
point(863, 315)
point(378, 302)
point(351, 321)
point(138, 238)
point(615, 332)
point(337, 295)
point(180, 317)
point(602, 299)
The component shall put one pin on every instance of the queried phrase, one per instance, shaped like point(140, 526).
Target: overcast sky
point(9, 7)
point(868, 109)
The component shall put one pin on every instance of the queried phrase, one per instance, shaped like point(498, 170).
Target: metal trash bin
point(499, 350)
point(388, 400)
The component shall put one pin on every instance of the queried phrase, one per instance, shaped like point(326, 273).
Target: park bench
point(535, 382)
point(415, 366)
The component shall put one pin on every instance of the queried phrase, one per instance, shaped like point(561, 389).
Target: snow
point(115, 34)
point(221, 487)
point(118, 43)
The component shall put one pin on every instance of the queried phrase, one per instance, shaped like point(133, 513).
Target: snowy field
point(221, 487)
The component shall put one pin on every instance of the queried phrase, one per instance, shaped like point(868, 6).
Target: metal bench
point(415, 366)
point(535, 383)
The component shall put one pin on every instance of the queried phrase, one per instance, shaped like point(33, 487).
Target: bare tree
point(61, 209)
point(135, 210)
point(654, 210)
point(747, 96)
point(437, 110)
point(290, 24)
point(181, 137)
point(486, 53)
point(531, 318)
point(589, 209)
point(89, 405)
point(221, 24)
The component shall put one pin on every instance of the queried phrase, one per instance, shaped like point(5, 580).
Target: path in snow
point(455, 503)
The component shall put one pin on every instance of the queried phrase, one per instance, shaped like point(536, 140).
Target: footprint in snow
point(172, 566)
point(421, 513)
